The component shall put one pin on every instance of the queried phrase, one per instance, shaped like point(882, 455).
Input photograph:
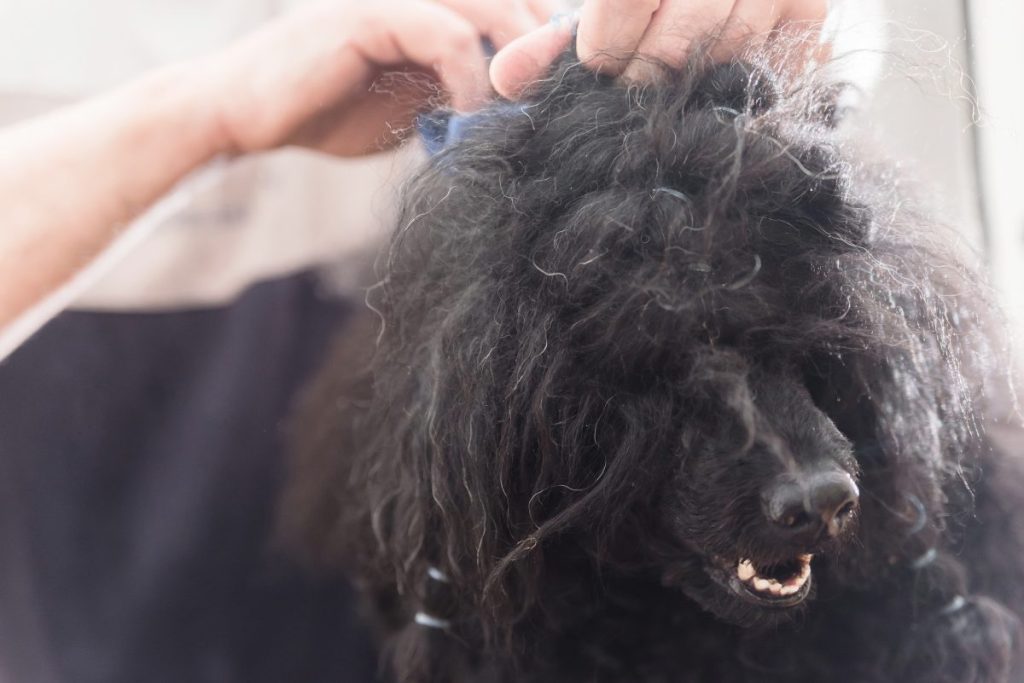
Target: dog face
point(754, 502)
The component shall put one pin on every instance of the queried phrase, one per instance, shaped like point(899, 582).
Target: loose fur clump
point(632, 342)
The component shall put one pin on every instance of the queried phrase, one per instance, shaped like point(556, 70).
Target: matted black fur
point(609, 320)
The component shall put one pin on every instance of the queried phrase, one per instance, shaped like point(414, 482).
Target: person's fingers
point(672, 31)
point(610, 32)
point(429, 35)
point(627, 36)
point(527, 59)
point(500, 20)
point(749, 25)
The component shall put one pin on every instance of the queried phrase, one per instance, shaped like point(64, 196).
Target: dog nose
point(812, 502)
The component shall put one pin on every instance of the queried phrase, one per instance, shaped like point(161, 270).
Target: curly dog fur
point(611, 320)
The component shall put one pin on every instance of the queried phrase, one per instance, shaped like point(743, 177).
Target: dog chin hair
point(669, 382)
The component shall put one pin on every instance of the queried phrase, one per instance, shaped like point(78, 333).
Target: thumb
point(527, 58)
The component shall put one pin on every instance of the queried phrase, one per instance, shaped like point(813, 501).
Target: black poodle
point(661, 384)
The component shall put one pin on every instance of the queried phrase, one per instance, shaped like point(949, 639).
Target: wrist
point(182, 104)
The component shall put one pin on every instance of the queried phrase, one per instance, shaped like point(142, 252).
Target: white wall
point(922, 111)
point(999, 52)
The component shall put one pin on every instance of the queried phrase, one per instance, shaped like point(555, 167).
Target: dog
point(664, 383)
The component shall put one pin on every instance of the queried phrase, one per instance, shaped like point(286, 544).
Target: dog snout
point(811, 504)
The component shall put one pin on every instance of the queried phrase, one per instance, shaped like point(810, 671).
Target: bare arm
point(71, 181)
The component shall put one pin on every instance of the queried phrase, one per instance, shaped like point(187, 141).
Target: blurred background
point(950, 106)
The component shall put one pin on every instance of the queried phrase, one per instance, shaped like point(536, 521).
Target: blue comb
point(443, 127)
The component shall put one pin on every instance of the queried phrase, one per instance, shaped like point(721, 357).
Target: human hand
point(308, 78)
point(619, 37)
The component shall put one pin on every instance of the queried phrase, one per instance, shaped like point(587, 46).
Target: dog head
point(664, 340)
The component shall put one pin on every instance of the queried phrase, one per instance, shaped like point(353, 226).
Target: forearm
point(71, 181)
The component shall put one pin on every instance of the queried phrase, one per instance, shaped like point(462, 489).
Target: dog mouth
point(775, 585)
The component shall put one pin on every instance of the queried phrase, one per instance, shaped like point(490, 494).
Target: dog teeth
point(747, 572)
